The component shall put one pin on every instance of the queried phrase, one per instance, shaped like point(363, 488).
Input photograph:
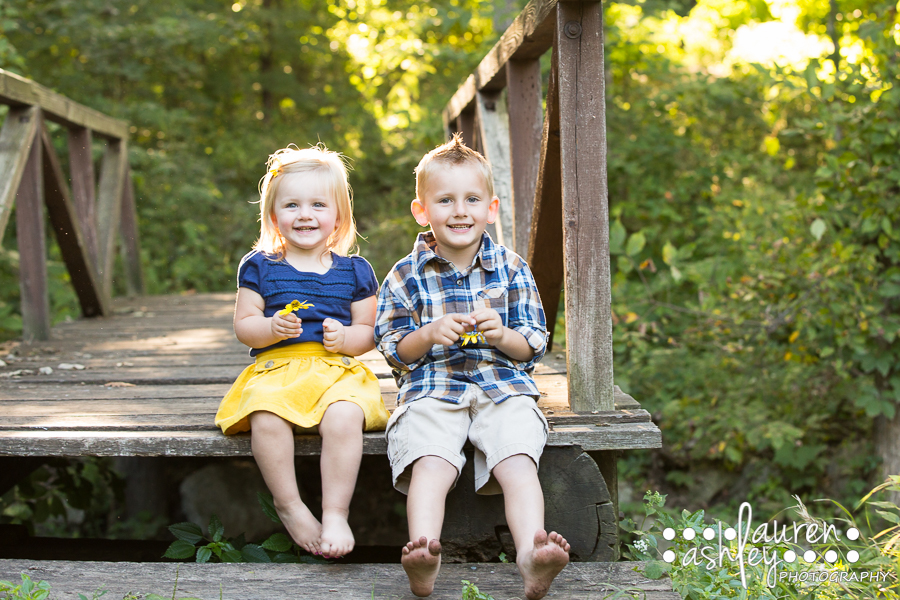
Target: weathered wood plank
point(529, 36)
point(16, 138)
point(30, 237)
point(131, 244)
point(81, 170)
point(524, 96)
point(236, 581)
point(109, 207)
point(19, 91)
point(493, 130)
point(545, 242)
point(579, 39)
point(64, 220)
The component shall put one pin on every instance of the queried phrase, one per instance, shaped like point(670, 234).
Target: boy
point(460, 321)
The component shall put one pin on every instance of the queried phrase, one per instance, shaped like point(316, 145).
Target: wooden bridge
point(142, 376)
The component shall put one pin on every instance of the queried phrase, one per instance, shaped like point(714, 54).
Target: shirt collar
point(425, 245)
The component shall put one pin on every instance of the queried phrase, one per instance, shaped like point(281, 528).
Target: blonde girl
point(306, 309)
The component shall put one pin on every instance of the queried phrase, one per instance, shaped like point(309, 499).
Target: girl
point(305, 308)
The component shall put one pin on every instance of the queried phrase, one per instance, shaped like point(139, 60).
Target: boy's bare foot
point(421, 559)
point(540, 566)
point(337, 539)
point(302, 526)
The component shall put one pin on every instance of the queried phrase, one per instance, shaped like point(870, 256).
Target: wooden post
point(545, 245)
point(81, 168)
point(16, 138)
point(524, 100)
point(131, 254)
point(579, 39)
point(493, 130)
point(30, 235)
point(64, 220)
point(112, 180)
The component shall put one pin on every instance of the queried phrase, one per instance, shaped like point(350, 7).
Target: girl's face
point(304, 213)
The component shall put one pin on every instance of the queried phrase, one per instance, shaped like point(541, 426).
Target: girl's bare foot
point(337, 539)
point(302, 526)
point(543, 563)
point(421, 560)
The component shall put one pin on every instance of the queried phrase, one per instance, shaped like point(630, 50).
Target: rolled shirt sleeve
point(526, 314)
point(395, 319)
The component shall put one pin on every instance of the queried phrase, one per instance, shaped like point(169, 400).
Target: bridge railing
point(550, 172)
point(86, 217)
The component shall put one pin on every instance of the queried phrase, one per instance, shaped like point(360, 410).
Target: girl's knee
point(266, 422)
point(342, 418)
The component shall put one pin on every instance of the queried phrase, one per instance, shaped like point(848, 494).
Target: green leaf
point(268, 505)
point(617, 235)
point(232, 555)
point(889, 516)
point(285, 557)
point(180, 550)
point(278, 542)
point(203, 554)
point(668, 253)
point(254, 553)
point(216, 529)
point(187, 532)
point(656, 569)
point(635, 243)
point(676, 274)
point(817, 229)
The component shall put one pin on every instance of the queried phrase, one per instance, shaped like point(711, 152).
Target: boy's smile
point(457, 205)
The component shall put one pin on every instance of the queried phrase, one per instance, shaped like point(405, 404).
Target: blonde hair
point(454, 152)
point(318, 160)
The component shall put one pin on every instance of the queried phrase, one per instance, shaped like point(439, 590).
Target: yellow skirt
point(298, 383)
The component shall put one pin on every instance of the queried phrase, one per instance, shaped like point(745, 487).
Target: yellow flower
point(472, 337)
point(295, 305)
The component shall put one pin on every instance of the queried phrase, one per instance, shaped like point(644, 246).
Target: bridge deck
point(147, 382)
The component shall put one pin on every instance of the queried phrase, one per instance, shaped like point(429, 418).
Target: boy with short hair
point(461, 323)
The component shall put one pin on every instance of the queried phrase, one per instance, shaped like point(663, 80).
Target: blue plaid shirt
point(423, 287)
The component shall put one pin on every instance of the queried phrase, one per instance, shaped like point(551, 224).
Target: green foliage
point(27, 590)
point(470, 592)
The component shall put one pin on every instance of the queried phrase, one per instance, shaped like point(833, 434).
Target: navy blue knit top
point(349, 279)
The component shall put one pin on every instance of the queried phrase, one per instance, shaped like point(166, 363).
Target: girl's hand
point(489, 323)
point(333, 335)
point(446, 330)
point(286, 326)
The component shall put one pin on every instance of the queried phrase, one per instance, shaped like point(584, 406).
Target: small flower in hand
point(295, 305)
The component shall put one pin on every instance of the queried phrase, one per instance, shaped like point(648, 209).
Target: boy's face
point(457, 205)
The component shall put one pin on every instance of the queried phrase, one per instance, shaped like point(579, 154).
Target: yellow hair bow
point(295, 305)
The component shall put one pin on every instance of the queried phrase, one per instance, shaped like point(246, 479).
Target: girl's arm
point(359, 337)
point(254, 329)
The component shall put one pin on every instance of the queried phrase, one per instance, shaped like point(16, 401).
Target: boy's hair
point(318, 160)
point(454, 152)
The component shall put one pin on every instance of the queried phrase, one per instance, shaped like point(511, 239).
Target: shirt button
point(270, 364)
point(459, 282)
point(345, 360)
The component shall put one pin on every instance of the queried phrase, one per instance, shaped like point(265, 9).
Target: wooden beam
point(579, 39)
point(493, 130)
point(529, 36)
point(524, 97)
point(30, 237)
point(81, 169)
point(16, 137)
point(109, 204)
point(131, 246)
point(64, 220)
point(18, 91)
point(468, 128)
point(545, 245)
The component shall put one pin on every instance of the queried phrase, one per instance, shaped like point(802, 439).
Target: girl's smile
point(305, 214)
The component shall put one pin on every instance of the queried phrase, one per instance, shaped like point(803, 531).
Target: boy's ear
point(418, 212)
point(493, 209)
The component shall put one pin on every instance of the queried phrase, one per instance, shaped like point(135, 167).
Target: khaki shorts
point(432, 427)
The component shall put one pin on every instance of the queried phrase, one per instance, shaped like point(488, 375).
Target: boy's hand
point(333, 335)
point(489, 323)
point(286, 326)
point(446, 330)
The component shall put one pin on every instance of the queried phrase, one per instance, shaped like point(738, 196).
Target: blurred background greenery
point(753, 177)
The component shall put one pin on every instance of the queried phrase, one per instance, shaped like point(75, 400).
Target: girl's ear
point(418, 211)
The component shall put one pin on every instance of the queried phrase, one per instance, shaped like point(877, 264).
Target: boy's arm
point(256, 330)
point(509, 341)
